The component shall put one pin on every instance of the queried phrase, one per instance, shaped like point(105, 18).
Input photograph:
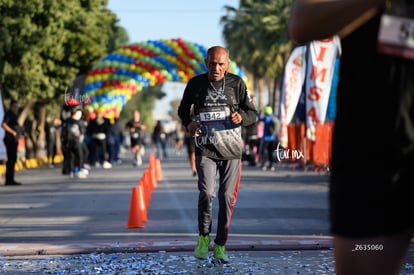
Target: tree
point(120, 38)
point(257, 30)
point(45, 44)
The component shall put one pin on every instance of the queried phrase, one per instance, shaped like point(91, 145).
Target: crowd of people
point(84, 140)
point(87, 141)
point(97, 141)
point(260, 140)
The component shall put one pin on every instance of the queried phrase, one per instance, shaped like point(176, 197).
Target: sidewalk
point(56, 225)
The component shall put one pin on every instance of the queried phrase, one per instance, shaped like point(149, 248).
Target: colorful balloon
point(117, 77)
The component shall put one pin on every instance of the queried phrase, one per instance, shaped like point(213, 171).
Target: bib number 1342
point(212, 116)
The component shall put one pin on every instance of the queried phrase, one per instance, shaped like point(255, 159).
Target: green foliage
point(45, 44)
point(121, 38)
point(258, 29)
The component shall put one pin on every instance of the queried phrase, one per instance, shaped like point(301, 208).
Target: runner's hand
point(236, 118)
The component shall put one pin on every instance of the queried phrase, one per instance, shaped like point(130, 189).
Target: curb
point(156, 245)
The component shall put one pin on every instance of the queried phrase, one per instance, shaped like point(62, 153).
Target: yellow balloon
point(140, 56)
point(99, 92)
point(106, 76)
point(119, 51)
point(89, 108)
point(127, 52)
point(134, 54)
point(179, 51)
point(88, 79)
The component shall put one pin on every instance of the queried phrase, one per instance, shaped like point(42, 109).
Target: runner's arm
point(320, 19)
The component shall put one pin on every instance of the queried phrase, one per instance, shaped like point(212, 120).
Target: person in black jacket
point(136, 130)
point(159, 138)
point(98, 130)
point(221, 106)
point(12, 133)
point(371, 180)
point(73, 133)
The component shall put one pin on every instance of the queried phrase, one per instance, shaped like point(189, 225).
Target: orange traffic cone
point(143, 208)
point(146, 189)
point(151, 167)
point(137, 211)
point(158, 171)
point(152, 160)
point(152, 181)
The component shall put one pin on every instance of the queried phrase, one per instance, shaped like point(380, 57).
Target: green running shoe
point(201, 250)
point(220, 253)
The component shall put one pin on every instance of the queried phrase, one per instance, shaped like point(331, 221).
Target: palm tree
point(256, 35)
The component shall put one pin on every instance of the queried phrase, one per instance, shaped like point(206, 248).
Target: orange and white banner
point(321, 59)
point(295, 71)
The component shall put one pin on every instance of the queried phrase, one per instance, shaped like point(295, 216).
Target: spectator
point(159, 138)
point(65, 115)
point(98, 129)
point(268, 146)
point(73, 134)
point(51, 128)
point(179, 138)
point(113, 142)
point(13, 131)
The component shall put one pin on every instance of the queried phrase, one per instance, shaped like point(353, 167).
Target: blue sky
point(191, 20)
point(196, 21)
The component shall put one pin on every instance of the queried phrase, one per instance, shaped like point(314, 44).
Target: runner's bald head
point(217, 62)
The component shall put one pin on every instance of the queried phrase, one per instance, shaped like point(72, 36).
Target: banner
point(3, 152)
point(291, 89)
point(322, 57)
point(331, 112)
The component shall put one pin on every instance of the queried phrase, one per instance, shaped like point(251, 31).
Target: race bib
point(219, 137)
point(396, 32)
point(213, 116)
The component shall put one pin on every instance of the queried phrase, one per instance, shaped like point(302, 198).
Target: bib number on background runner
point(396, 32)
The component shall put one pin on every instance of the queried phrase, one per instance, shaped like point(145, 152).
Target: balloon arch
point(113, 80)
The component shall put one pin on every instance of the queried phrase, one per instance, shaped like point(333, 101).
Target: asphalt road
point(58, 225)
point(51, 206)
